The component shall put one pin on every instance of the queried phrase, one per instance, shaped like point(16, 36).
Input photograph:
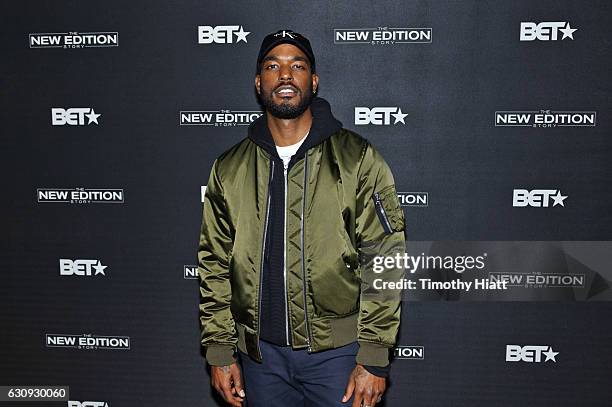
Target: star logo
point(99, 268)
point(550, 355)
point(558, 199)
point(242, 35)
point(93, 117)
point(568, 32)
point(399, 116)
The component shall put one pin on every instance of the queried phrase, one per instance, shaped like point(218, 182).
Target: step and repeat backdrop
point(493, 116)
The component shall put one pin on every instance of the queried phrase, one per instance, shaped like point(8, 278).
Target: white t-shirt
point(286, 152)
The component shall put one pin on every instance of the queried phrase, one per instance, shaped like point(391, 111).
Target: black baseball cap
point(286, 37)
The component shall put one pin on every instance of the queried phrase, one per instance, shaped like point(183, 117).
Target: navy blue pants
point(296, 378)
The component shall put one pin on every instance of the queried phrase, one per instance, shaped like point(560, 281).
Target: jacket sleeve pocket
point(388, 209)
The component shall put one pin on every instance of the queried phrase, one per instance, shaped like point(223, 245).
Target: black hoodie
point(324, 124)
point(273, 316)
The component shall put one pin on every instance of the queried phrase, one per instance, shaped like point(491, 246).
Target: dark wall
point(451, 146)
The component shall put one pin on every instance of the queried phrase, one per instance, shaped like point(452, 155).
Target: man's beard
point(284, 110)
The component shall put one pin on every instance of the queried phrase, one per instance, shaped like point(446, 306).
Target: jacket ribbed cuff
point(372, 354)
point(220, 355)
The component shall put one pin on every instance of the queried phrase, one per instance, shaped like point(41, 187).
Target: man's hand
point(367, 387)
point(228, 382)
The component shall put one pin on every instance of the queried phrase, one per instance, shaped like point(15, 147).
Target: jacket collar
point(324, 124)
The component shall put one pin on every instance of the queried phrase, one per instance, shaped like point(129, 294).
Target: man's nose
point(285, 73)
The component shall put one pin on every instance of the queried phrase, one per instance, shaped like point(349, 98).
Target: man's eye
point(299, 66)
point(270, 66)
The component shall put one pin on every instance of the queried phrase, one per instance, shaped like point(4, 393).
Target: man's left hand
point(368, 388)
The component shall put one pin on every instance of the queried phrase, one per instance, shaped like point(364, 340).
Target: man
point(289, 214)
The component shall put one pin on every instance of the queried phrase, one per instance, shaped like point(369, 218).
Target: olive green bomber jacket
point(341, 198)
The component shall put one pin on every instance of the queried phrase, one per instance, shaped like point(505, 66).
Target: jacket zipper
point(263, 251)
point(285, 165)
point(308, 334)
point(382, 215)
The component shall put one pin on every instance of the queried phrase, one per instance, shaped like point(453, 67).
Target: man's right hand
point(228, 382)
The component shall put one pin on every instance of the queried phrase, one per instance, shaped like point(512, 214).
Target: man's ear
point(257, 83)
point(315, 82)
